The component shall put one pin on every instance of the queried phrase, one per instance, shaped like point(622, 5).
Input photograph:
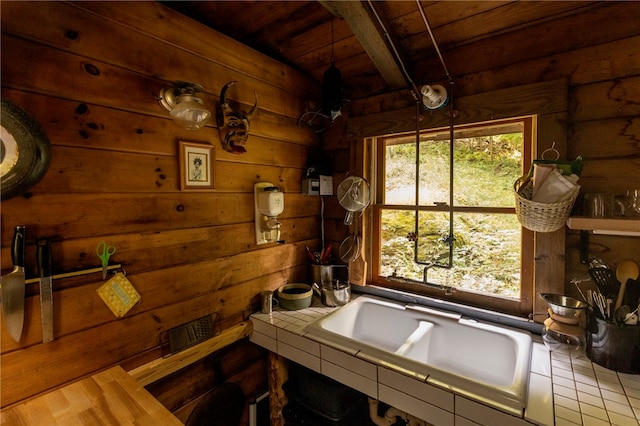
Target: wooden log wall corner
point(114, 177)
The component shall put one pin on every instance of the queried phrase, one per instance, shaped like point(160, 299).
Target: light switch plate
point(326, 185)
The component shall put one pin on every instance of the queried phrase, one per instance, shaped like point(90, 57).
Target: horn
point(254, 108)
point(223, 92)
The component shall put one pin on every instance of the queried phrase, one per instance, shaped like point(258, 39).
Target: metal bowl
point(564, 305)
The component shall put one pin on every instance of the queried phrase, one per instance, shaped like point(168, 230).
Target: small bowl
point(295, 296)
point(564, 305)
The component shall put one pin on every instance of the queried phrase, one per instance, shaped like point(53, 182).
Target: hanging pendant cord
point(332, 41)
point(433, 40)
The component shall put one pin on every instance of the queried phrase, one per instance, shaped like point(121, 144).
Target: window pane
point(400, 174)
point(486, 255)
point(434, 172)
point(485, 169)
point(397, 254)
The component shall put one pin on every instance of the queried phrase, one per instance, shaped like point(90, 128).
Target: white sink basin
point(478, 360)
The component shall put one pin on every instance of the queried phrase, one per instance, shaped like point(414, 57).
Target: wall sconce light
point(434, 97)
point(184, 106)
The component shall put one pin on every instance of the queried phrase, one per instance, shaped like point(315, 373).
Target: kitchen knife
point(13, 285)
point(43, 256)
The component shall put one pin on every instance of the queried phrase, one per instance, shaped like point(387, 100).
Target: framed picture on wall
point(196, 166)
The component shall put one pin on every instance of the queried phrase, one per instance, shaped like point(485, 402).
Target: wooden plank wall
point(602, 69)
point(90, 73)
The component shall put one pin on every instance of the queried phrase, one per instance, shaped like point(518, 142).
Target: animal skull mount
point(234, 126)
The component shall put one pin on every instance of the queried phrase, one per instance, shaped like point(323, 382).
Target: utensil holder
point(324, 275)
point(613, 346)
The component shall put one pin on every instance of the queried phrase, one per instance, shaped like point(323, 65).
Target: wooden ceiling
point(378, 44)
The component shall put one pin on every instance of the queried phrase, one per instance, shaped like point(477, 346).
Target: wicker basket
point(540, 217)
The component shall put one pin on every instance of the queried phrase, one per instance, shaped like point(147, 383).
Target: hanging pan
point(354, 196)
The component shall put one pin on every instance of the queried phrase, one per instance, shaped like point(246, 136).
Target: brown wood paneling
point(607, 99)
point(90, 74)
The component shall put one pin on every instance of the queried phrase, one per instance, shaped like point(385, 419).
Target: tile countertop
point(566, 388)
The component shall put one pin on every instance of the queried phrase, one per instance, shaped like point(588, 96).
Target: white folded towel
point(540, 173)
point(556, 188)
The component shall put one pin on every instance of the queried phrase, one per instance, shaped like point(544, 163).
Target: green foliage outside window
point(487, 244)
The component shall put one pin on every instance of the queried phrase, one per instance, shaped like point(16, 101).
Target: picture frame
point(196, 166)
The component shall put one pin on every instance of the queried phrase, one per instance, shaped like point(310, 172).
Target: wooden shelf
point(610, 226)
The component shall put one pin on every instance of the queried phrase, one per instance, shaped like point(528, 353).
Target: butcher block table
point(111, 397)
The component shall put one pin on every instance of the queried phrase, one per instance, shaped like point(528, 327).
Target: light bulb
point(189, 112)
point(434, 97)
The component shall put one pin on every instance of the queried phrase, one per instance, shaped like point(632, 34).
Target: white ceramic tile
point(594, 421)
point(620, 420)
point(568, 415)
point(419, 390)
point(593, 400)
point(560, 372)
point(420, 409)
point(630, 380)
point(360, 383)
point(326, 342)
point(563, 365)
point(540, 400)
point(301, 357)
point(637, 413)
point(484, 415)
point(616, 407)
point(568, 403)
point(587, 380)
point(604, 374)
point(540, 360)
point(580, 359)
point(561, 355)
point(566, 392)
point(299, 342)
point(264, 327)
point(264, 341)
point(564, 422)
point(593, 411)
point(584, 370)
point(590, 389)
point(349, 362)
point(561, 381)
point(461, 421)
point(632, 393)
point(611, 386)
point(614, 396)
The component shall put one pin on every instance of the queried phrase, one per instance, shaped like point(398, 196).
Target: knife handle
point(43, 257)
point(17, 246)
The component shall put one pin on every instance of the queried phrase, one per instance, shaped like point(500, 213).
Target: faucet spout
point(426, 271)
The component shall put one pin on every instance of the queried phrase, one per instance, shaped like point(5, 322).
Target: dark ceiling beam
point(357, 15)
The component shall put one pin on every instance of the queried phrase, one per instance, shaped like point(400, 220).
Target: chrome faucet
point(425, 272)
point(448, 290)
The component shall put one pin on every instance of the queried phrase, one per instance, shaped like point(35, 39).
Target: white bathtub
point(479, 360)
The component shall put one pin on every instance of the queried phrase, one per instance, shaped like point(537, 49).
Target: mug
point(267, 302)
